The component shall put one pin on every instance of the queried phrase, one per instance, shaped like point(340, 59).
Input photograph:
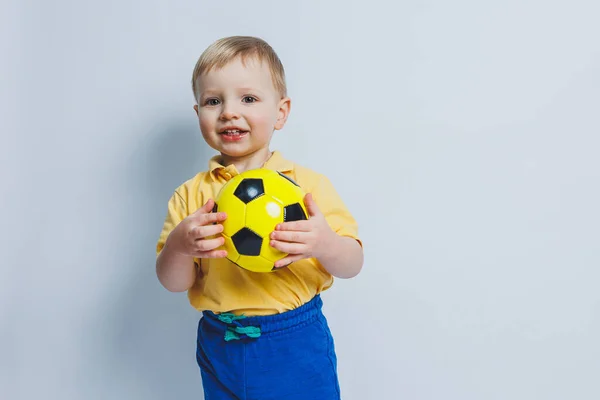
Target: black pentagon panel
point(246, 242)
point(293, 212)
point(288, 178)
point(249, 189)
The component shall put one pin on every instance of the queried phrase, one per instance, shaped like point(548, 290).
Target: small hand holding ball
point(303, 239)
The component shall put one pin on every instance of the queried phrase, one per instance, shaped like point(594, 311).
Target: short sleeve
point(332, 206)
point(177, 211)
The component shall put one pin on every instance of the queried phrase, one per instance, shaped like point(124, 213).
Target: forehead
point(238, 73)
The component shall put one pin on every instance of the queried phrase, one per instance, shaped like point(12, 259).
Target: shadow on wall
point(153, 331)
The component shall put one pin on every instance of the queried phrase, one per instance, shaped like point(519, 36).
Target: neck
point(248, 161)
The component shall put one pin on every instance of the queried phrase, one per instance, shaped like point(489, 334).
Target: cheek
point(263, 118)
point(206, 121)
point(204, 125)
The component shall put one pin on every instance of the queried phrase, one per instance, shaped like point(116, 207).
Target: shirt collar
point(276, 162)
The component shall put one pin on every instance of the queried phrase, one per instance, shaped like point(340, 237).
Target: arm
point(183, 240)
point(175, 271)
point(340, 254)
point(343, 256)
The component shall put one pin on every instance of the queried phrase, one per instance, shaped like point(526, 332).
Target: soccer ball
point(255, 202)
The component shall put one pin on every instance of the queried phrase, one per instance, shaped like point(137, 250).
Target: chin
point(236, 155)
point(235, 152)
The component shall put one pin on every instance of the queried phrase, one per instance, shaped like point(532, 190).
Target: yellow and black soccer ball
point(255, 202)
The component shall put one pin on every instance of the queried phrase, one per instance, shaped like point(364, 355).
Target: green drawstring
point(228, 318)
point(250, 331)
point(234, 332)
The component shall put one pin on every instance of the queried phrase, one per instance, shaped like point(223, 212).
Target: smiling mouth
point(233, 132)
point(233, 135)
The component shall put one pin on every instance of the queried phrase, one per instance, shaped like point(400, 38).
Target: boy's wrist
point(169, 245)
point(327, 245)
point(342, 257)
point(172, 248)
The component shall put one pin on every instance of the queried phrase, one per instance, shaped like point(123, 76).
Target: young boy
point(261, 335)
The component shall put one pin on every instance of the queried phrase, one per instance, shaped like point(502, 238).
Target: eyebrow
point(250, 89)
point(208, 92)
point(203, 92)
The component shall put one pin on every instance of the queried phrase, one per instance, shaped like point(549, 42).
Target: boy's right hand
point(191, 236)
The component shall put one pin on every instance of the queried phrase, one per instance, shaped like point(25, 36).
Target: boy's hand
point(190, 236)
point(303, 239)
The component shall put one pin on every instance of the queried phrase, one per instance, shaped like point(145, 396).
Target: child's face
point(239, 108)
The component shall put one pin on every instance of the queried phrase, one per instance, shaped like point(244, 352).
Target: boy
point(261, 335)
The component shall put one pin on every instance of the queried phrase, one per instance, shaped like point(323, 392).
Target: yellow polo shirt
point(222, 286)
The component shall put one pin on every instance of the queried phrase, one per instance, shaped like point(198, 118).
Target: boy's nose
point(229, 113)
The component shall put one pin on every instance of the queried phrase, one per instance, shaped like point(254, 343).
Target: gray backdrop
point(463, 135)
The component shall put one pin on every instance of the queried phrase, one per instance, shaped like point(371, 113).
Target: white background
point(463, 135)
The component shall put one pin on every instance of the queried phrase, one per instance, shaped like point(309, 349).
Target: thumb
point(311, 206)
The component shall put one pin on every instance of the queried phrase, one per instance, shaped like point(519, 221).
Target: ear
point(196, 108)
point(284, 108)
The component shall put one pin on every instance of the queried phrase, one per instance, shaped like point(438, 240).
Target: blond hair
point(225, 50)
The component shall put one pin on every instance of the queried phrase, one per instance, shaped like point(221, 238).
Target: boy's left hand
point(305, 238)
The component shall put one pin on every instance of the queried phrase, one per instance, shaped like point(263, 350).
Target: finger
point(287, 247)
point(211, 254)
point(311, 206)
point(301, 226)
point(284, 262)
point(208, 244)
point(290, 236)
point(211, 218)
point(206, 208)
point(204, 231)
point(198, 232)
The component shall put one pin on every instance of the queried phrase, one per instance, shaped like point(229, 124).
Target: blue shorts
point(287, 356)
